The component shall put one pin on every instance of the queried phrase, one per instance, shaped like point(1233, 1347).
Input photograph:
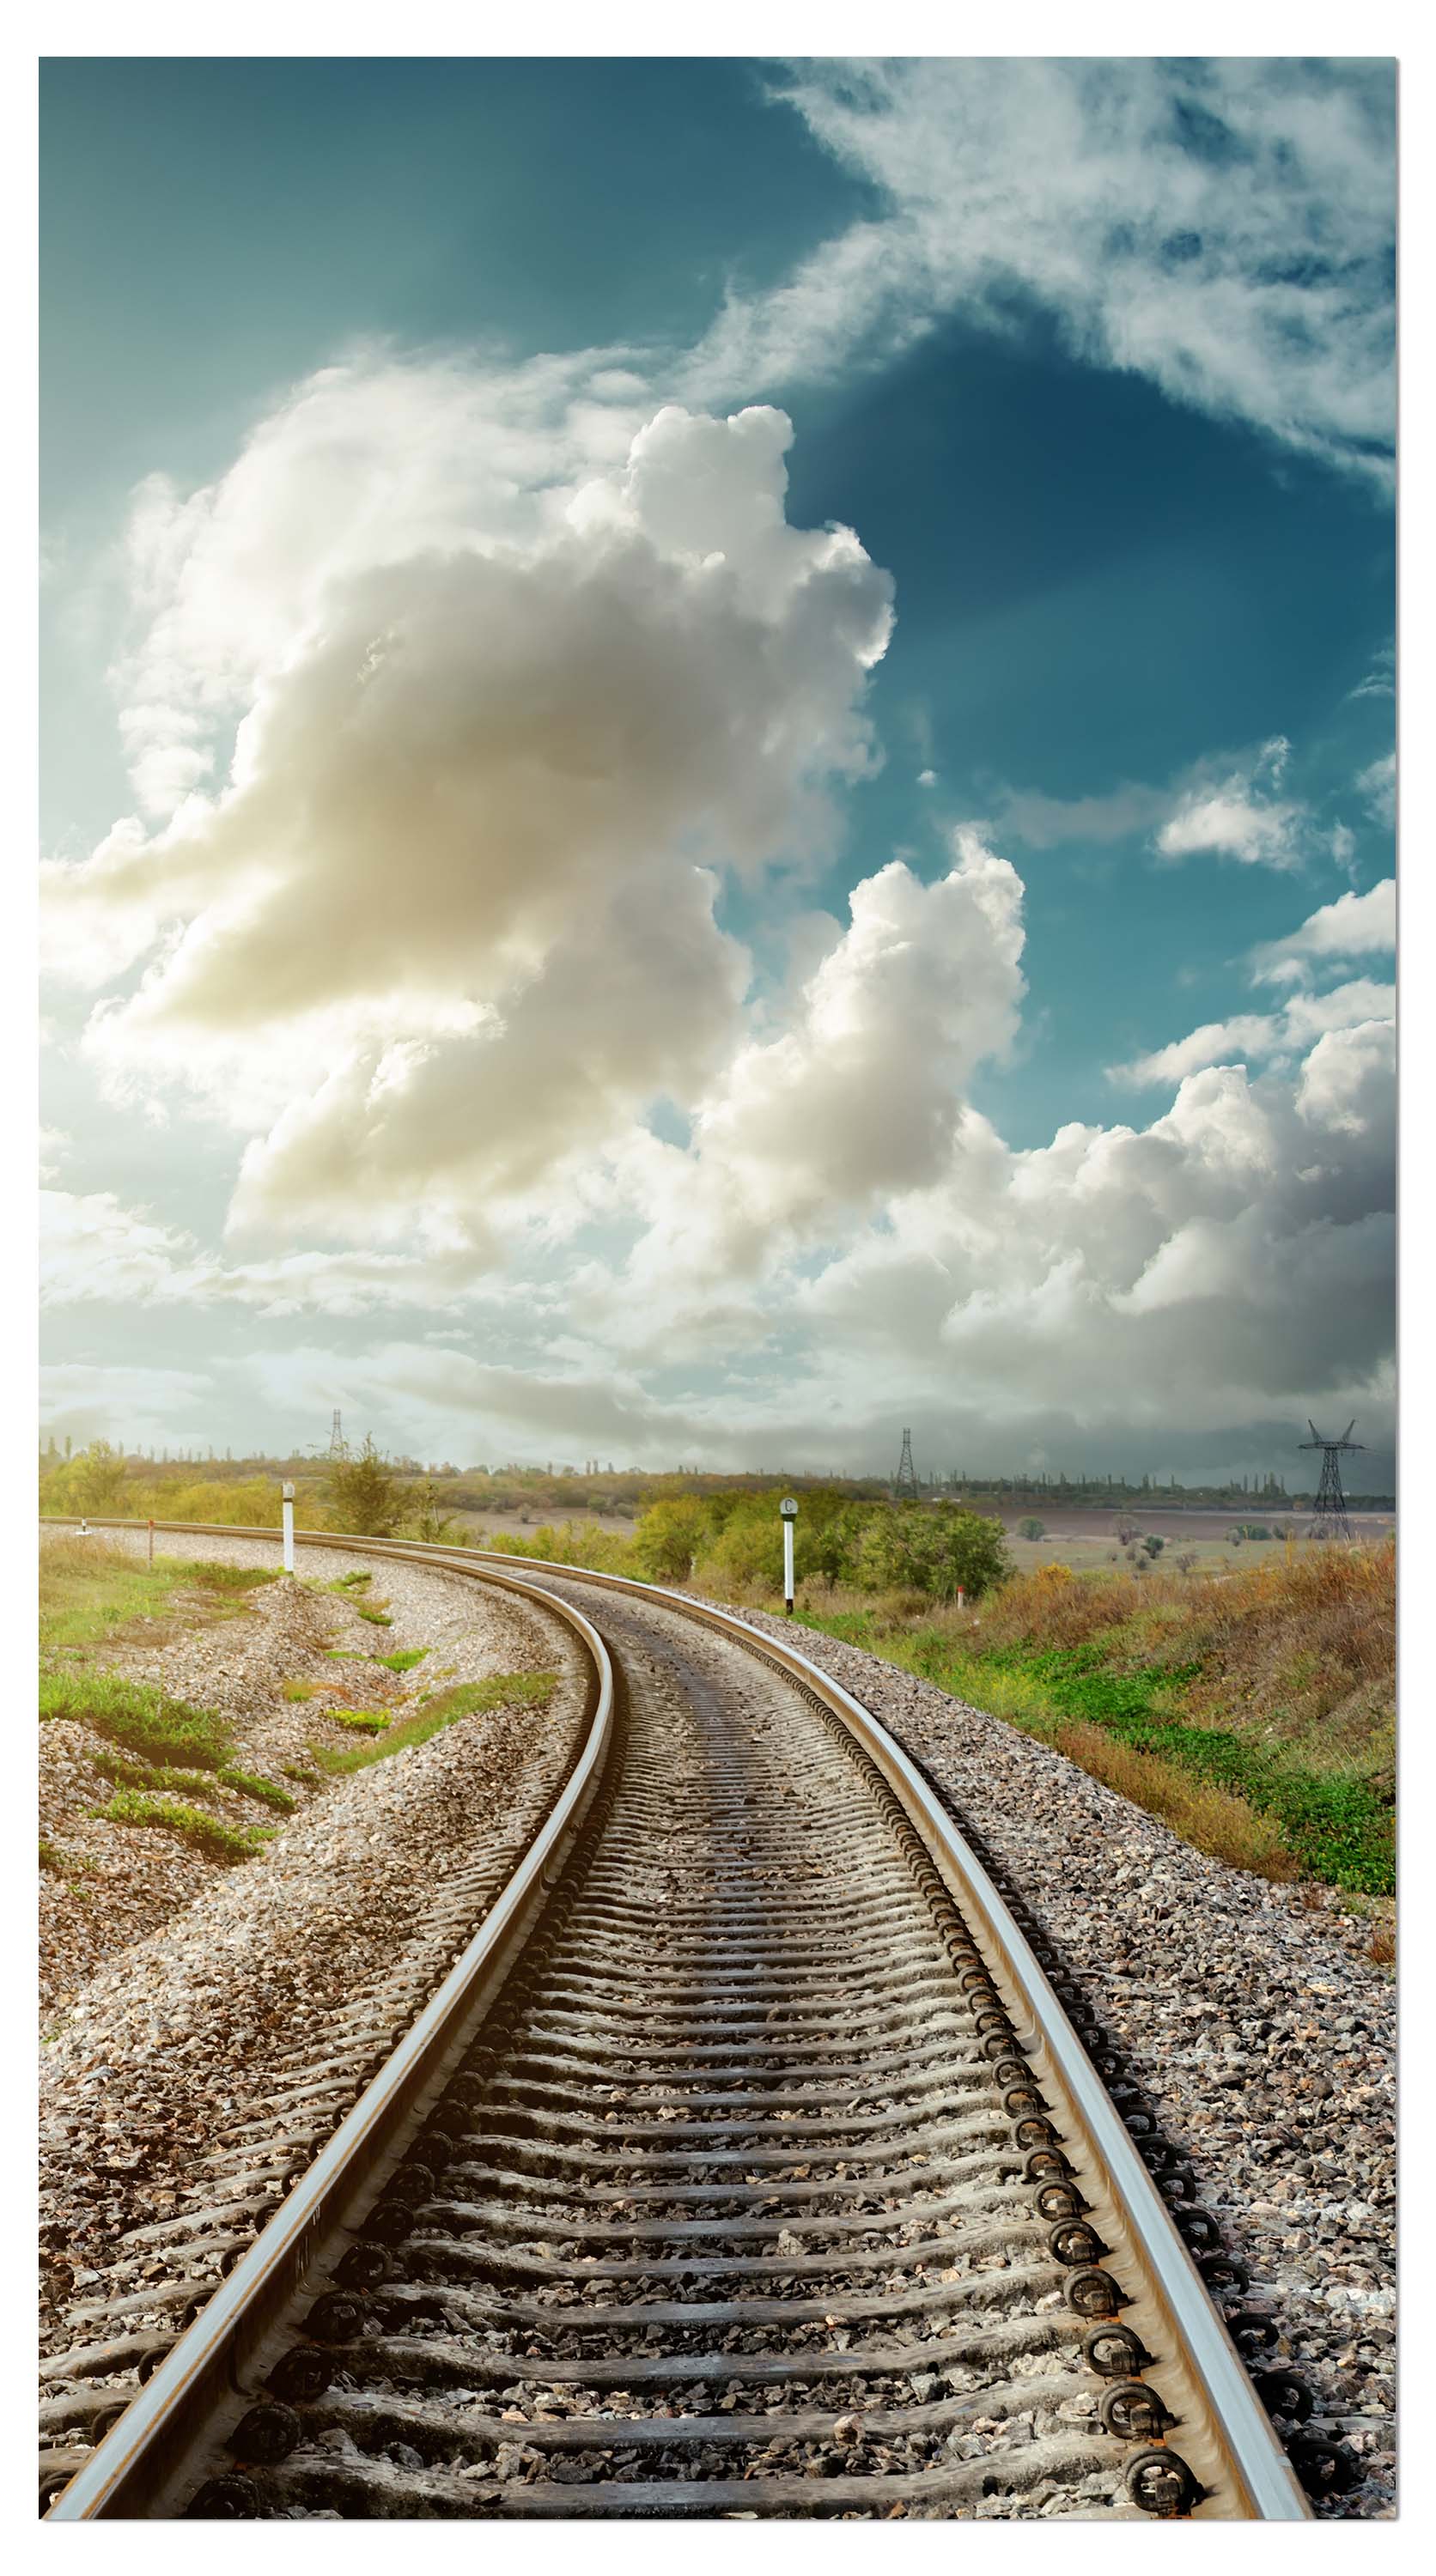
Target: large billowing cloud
point(1226, 229)
point(449, 918)
point(1235, 1257)
point(459, 711)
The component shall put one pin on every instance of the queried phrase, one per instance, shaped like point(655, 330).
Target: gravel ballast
point(180, 2037)
point(1252, 2014)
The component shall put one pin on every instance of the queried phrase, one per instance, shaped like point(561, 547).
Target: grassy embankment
point(92, 1595)
point(1253, 1710)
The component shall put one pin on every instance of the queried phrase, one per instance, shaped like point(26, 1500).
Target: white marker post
point(289, 1529)
point(789, 1510)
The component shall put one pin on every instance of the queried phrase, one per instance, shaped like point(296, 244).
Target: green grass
point(209, 1834)
point(1332, 1822)
point(250, 1784)
point(376, 1618)
point(365, 1721)
point(404, 1661)
point(138, 1715)
point(350, 1582)
point(301, 1772)
point(127, 1773)
point(1329, 1825)
point(300, 1690)
point(209, 1576)
point(91, 1591)
point(348, 1655)
point(500, 1690)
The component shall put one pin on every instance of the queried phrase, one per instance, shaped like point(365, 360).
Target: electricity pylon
point(1330, 1508)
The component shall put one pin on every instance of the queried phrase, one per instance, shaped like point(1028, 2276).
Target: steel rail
point(136, 2458)
point(1237, 2432)
point(1229, 2440)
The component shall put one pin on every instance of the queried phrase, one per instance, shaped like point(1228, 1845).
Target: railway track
point(749, 2162)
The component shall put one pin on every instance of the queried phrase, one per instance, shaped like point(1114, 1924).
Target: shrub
point(426, 1518)
point(92, 1481)
point(937, 1552)
point(362, 1494)
point(1032, 1528)
point(669, 1538)
point(405, 1659)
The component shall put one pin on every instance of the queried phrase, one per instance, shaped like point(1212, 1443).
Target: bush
point(425, 1516)
point(362, 1494)
point(668, 1539)
point(1032, 1528)
point(937, 1552)
point(92, 1481)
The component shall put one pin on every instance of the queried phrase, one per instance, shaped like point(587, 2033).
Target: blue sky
point(1060, 750)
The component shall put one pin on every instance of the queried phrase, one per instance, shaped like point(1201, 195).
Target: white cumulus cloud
point(1243, 816)
point(1258, 1033)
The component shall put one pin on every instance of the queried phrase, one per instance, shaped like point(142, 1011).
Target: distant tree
point(361, 1492)
point(92, 1480)
point(1126, 1530)
point(425, 1516)
point(1153, 1544)
point(941, 1552)
point(830, 1548)
point(1186, 1560)
point(1032, 1529)
point(668, 1538)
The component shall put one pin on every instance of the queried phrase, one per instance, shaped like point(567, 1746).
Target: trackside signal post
point(289, 1529)
point(789, 1510)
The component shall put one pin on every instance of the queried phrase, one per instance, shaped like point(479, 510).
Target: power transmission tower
point(905, 1488)
point(1331, 1518)
point(336, 1436)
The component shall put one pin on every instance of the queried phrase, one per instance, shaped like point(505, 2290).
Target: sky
point(718, 759)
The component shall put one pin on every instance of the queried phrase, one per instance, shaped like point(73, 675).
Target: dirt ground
point(1087, 1541)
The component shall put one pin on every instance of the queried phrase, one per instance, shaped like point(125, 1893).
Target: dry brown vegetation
point(1204, 1814)
point(1300, 1650)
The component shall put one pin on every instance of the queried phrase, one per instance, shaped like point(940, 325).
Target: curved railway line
point(757, 2156)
